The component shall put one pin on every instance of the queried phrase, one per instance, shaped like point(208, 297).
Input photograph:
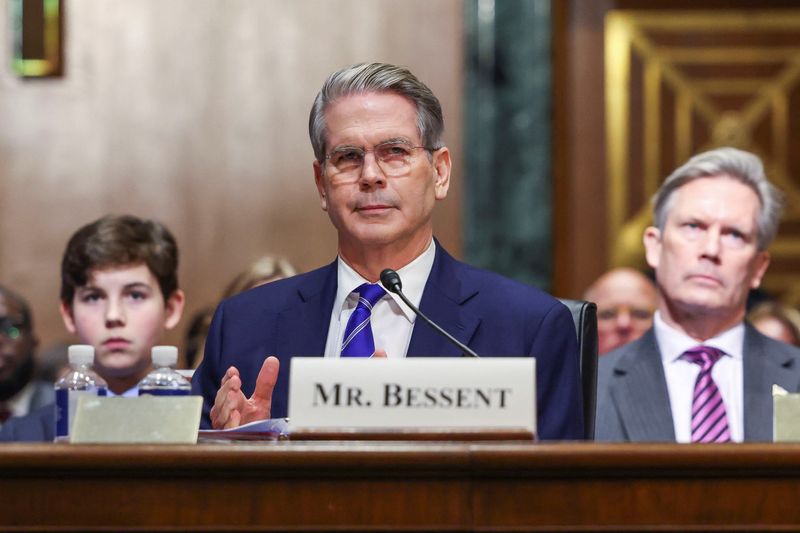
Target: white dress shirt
point(681, 375)
point(133, 392)
point(392, 320)
point(20, 404)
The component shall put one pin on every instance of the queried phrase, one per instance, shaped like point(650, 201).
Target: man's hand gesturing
point(231, 407)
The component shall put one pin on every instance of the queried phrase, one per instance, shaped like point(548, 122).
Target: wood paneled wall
point(584, 242)
point(194, 112)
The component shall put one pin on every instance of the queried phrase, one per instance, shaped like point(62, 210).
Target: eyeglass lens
point(393, 158)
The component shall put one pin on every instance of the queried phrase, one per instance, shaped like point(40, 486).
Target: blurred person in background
point(263, 270)
point(777, 321)
point(626, 300)
point(20, 392)
point(53, 363)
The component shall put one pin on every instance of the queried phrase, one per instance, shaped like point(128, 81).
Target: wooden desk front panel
point(402, 487)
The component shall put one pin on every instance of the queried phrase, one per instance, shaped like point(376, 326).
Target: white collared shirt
point(392, 320)
point(133, 392)
point(681, 375)
point(20, 403)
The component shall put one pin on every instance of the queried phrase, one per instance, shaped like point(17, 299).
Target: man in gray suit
point(702, 374)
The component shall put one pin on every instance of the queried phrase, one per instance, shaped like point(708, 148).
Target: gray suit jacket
point(633, 402)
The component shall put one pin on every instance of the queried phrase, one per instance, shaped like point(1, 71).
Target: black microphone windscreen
point(391, 280)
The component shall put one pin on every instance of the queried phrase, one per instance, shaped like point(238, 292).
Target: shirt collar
point(133, 392)
point(672, 343)
point(19, 403)
point(414, 276)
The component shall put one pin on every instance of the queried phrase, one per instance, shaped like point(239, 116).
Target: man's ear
point(652, 245)
point(66, 316)
point(319, 178)
point(442, 165)
point(174, 309)
point(761, 263)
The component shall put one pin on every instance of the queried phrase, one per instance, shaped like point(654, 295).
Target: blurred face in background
point(626, 300)
point(773, 319)
point(17, 345)
point(775, 328)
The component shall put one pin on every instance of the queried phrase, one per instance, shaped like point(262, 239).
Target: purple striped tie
point(709, 419)
point(357, 340)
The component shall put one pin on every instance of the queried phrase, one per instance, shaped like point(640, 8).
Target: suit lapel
point(442, 301)
point(640, 392)
point(303, 327)
point(762, 368)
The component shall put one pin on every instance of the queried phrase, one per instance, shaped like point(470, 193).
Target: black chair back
point(584, 314)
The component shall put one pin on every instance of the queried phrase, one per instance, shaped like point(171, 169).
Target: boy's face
point(122, 313)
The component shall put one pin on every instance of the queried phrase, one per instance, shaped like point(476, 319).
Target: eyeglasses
point(634, 313)
point(10, 329)
point(394, 158)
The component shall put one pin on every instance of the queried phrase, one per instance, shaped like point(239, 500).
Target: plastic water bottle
point(163, 380)
point(81, 380)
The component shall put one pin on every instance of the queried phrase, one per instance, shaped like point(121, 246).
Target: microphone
point(391, 280)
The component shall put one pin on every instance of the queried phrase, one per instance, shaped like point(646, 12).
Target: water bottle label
point(67, 404)
point(164, 392)
point(62, 410)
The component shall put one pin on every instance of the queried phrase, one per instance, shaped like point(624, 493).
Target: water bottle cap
point(80, 354)
point(164, 355)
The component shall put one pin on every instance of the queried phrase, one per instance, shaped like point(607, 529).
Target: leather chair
point(584, 314)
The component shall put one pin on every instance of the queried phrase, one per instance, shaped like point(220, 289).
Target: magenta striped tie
point(709, 419)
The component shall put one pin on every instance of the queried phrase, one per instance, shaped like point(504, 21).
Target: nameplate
point(145, 419)
point(437, 393)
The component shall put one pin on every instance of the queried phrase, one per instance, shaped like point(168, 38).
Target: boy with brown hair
point(119, 293)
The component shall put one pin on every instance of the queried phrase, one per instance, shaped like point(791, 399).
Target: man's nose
point(624, 319)
point(371, 173)
point(711, 243)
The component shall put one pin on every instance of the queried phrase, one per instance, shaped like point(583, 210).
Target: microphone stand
point(391, 280)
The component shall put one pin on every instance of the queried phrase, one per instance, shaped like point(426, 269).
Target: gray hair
point(381, 78)
point(736, 164)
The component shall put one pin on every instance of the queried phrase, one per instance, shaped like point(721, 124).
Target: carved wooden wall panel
point(679, 83)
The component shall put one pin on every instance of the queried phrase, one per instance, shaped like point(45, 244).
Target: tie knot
point(705, 356)
point(369, 294)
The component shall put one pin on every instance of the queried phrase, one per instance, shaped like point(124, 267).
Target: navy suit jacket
point(493, 315)
point(37, 426)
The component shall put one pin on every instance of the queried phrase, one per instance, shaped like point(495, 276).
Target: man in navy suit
point(380, 168)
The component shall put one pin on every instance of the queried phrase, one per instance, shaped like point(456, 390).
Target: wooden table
point(428, 486)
